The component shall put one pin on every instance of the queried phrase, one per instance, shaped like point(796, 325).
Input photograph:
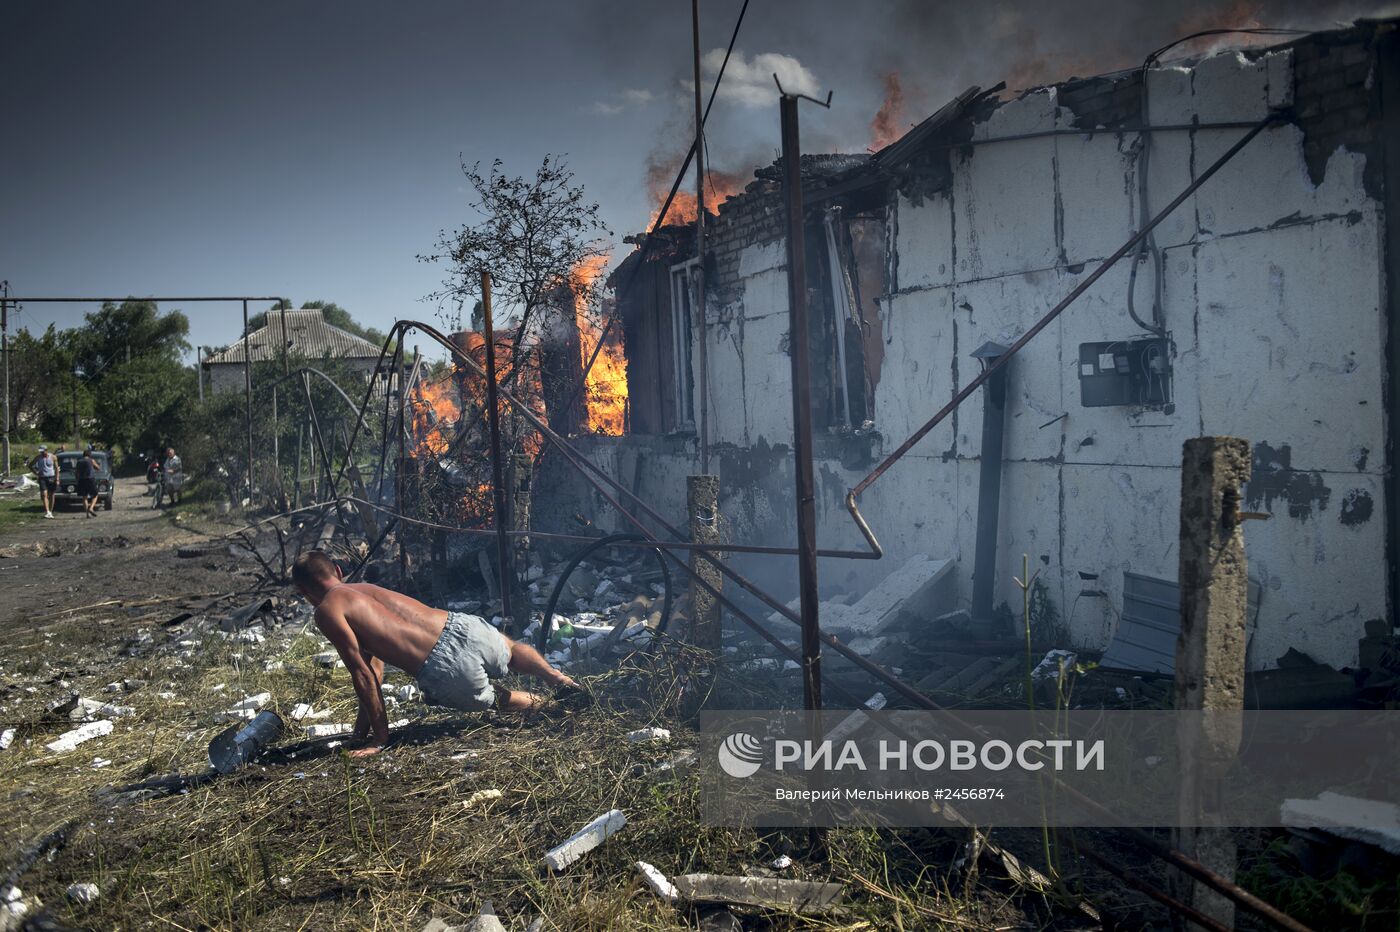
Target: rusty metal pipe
point(1175, 905)
point(1058, 309)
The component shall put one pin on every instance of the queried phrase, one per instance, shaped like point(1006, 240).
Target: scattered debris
point(7, 738)
point(479, 797)
point(235, 746)
point(657, 882)
point(649, 734)
point(327, 731)
point(71, 739)
point(767, 892)
point(241, 617)
point(304, 711)
point(79, 709)
point(1053, 663)
point(781, 863)
point(329, 659)
point(1366, 820)
point(909, 593)
point(585, 840)
point(82, 892)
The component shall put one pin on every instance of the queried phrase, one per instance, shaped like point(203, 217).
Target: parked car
point(68, 478)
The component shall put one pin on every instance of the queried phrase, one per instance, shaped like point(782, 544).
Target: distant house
point(304, 333)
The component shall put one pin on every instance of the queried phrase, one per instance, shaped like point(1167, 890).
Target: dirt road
point(128, 553)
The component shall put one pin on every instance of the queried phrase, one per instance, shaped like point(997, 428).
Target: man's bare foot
point(366, 751)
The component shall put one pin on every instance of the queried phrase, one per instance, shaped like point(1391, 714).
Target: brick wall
point(755, 216)
point(1337, 99)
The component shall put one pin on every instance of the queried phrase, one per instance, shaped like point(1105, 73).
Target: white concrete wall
point(1272, 292)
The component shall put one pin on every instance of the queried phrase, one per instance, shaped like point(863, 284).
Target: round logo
point(740, 755)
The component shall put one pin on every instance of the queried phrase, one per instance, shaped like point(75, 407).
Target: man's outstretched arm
point(362, 676)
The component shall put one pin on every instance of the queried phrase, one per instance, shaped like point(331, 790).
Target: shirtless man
point(452, 656)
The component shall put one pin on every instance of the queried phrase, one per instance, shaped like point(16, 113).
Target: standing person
point(172, 474)
point(452, 656)
point(153, 479)
point(86, 469)
point(45, 466)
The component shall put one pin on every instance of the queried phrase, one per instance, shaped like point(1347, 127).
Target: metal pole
point(699, 279)
point(276, 450)
point(801, 409)
point(984, 570)
point(498, 489)
point(199, 370)
point(296, 470)
point(5, 352)
point(248, 398)
point(286, 363)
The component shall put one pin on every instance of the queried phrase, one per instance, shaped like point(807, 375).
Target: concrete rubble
point(765, 892)
point(71, 739)
point(657, 882)
point(328, 731)
point(1365, 820)
point(585, 840)
point(304, 711)
point(907, 595)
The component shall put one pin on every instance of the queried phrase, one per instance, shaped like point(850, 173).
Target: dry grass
point(311, 839)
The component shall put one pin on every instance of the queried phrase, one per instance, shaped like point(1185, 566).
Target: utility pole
point(248, 398)
point(798, 340)
point(5, 352)
point(699, 280)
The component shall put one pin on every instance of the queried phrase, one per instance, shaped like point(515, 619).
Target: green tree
point(117, 333)
point(127, 357)
point(40, 383)
point(145, 403)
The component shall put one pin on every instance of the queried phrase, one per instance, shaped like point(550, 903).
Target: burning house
point(1262, 307)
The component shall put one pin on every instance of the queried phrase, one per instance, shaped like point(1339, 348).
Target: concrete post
point(702, 509)
point(1210, 657)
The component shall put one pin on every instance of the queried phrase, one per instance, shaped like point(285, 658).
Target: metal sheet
point(1146, 635)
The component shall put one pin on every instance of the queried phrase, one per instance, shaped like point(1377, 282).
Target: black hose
point(546, 623)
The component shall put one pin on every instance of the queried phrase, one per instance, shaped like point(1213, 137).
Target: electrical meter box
point(1125, 372)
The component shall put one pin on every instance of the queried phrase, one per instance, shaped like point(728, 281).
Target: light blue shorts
point(459, 668)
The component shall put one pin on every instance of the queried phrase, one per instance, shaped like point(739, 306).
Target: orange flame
point(661, 172)
point(605, 388)
point(435, 413)
point(889, 122)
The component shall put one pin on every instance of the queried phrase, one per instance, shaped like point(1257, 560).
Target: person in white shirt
point(171, 474)
point(45, 466)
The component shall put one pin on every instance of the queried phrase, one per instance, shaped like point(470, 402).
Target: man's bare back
point(370, 626)
point(388, 625)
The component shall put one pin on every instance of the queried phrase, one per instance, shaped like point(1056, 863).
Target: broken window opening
point(854, 257)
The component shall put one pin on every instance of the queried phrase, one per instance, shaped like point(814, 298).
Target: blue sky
point(312, 149)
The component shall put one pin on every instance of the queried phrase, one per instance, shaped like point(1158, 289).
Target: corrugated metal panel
point(308, 335)
point(1146, 635)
